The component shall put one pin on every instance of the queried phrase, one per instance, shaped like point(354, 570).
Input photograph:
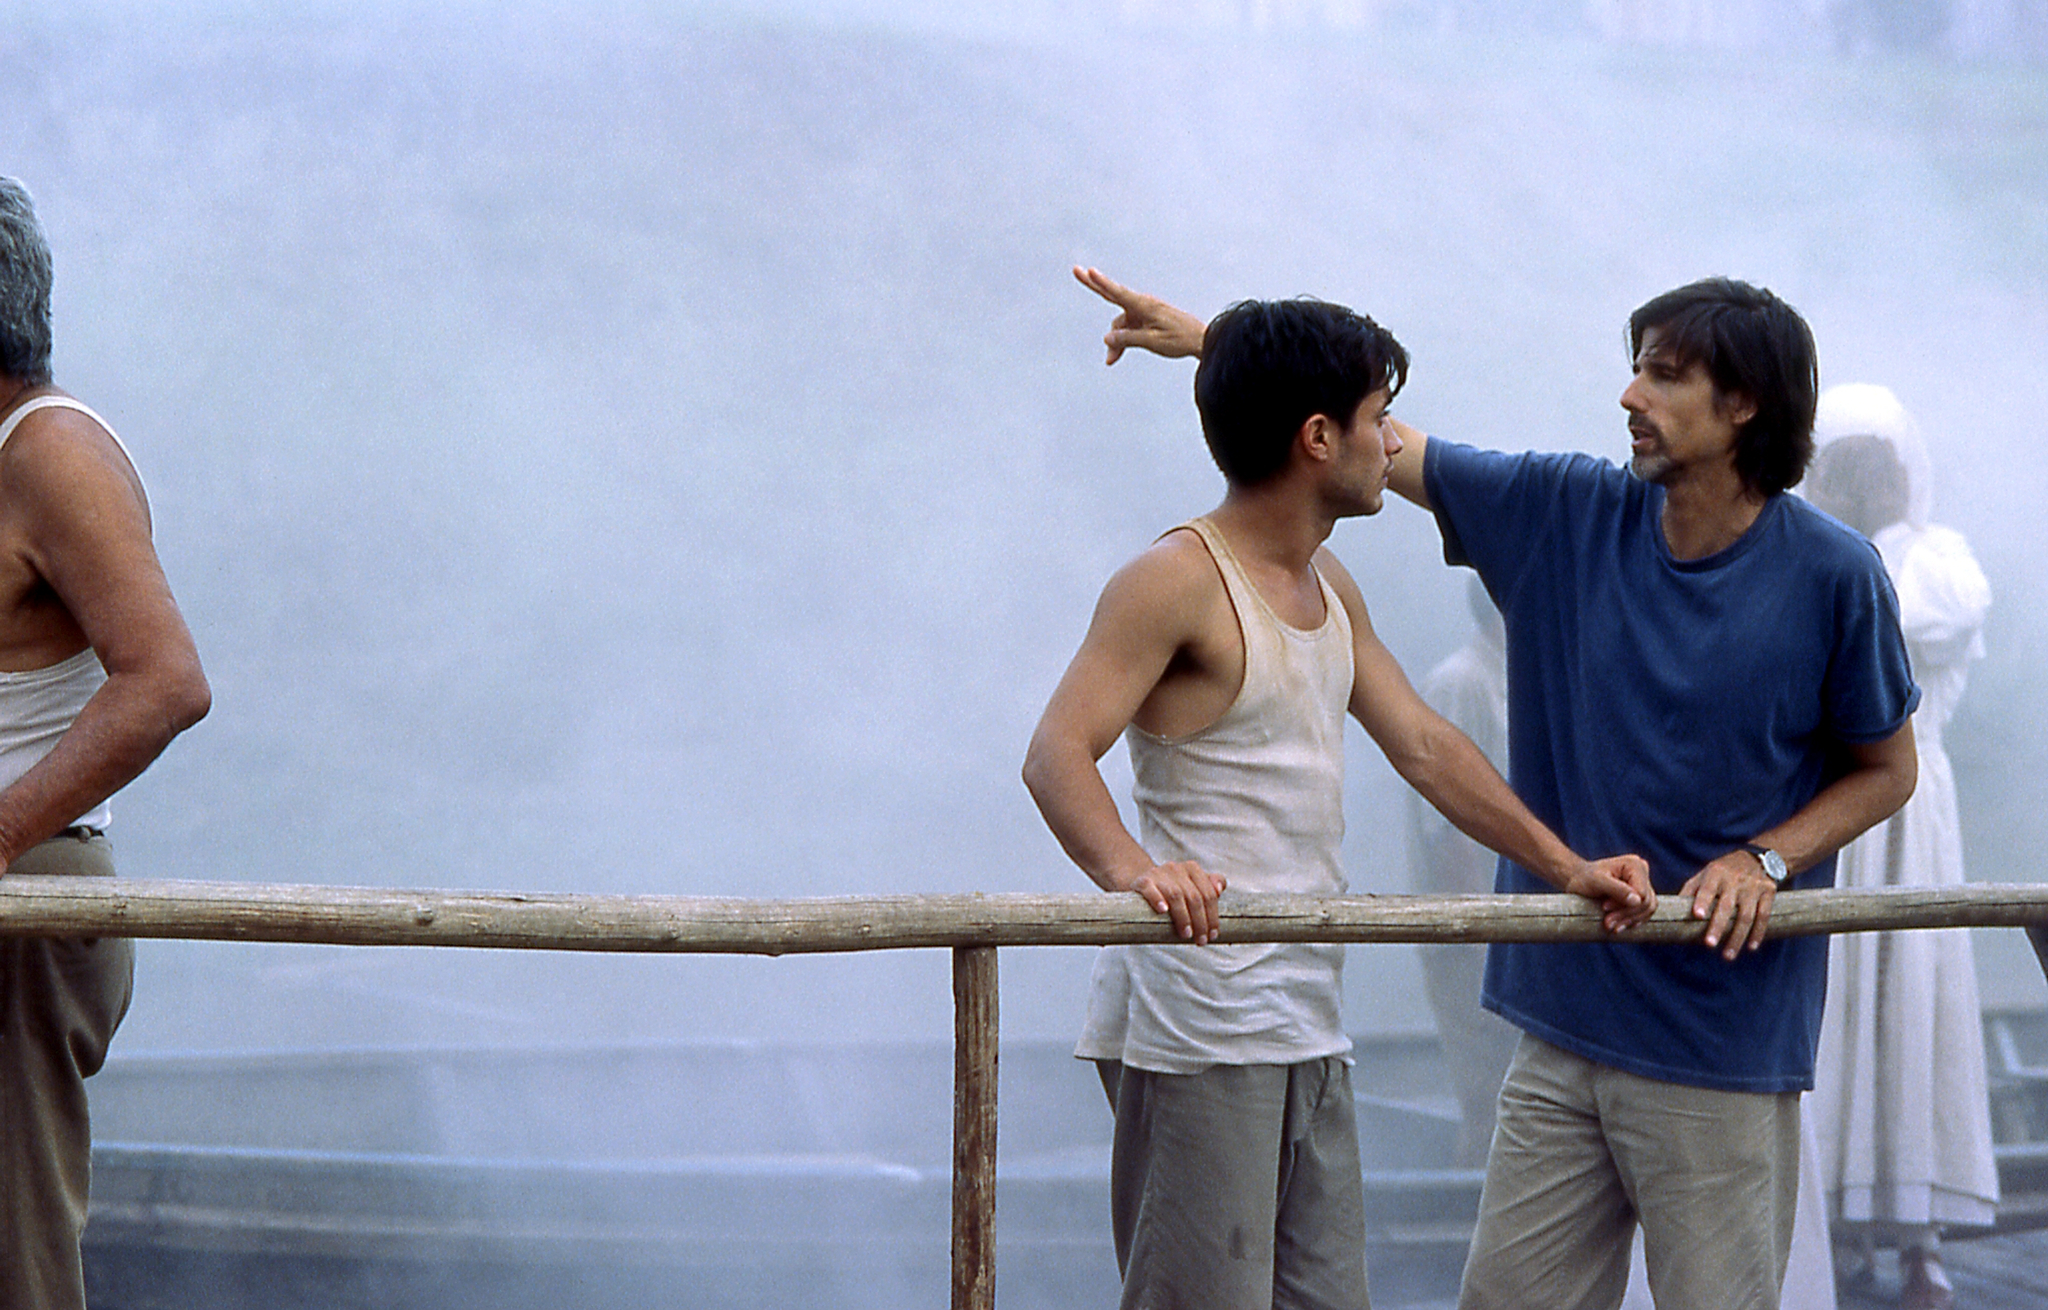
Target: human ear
point(1737, 407)
point(1318, 437)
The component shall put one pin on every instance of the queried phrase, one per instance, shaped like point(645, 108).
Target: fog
point(649, 448)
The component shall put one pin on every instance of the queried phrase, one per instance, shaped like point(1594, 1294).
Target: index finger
point(1615, 888)
point(1115, 292)
point(1169, 900)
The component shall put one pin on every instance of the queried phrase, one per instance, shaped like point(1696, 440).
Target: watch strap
point(1774, 865)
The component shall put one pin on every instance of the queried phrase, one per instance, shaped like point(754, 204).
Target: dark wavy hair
point(24, 288)
point(1268, 366)
point(1752, 344)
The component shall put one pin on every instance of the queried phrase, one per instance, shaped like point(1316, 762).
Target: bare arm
point(1454, 775)
point(1146, 616)
point(1733, 893)
point(1404, 472)
point(86, 533)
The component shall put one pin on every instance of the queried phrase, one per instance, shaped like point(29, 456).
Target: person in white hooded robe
point(1470, 689)
point(1900, 1104)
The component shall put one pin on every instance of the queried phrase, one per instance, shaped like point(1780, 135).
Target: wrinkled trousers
point(60, 1000)
point(1582, 1153)
point(1237, 1188)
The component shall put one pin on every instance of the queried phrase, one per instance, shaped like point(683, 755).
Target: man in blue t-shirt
point(1708, 672)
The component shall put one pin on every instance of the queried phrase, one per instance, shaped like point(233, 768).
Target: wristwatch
point(1774, 865)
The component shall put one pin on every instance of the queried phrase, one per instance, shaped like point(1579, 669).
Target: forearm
point(1454, 775)
point(1734, 892)
point(1842, 812)
point(1067, 786)
point(122, 729)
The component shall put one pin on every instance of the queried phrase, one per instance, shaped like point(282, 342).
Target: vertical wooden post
point(974, 1127)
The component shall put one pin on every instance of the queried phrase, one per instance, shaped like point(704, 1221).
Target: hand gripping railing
point(973, 926)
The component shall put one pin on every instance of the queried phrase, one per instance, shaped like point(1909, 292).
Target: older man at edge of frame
point(1708, 671)
point(97, 675)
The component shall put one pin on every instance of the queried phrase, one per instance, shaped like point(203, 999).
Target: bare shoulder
point(60, 462)
point(1170, 597)
point(58, 444)
point(1174, 571)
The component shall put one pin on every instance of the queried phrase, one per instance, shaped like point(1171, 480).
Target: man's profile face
point(1677, 420)
point(1368, 447)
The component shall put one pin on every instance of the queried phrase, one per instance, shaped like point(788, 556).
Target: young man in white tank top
point(97, 675)
point(1228, 655)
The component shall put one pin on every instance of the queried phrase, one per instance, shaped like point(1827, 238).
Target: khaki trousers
point(60, 1001)
point(1582, 1153)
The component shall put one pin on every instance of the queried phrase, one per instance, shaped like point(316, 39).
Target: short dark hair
point(24, 288)
point(1268, 366)
point(1752, 344)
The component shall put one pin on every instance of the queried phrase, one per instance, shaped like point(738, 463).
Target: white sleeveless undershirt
point(38, 706)
point(1258, 797)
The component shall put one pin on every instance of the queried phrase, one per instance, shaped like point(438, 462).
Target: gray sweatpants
point(1237, 1188)
point(60, 1001)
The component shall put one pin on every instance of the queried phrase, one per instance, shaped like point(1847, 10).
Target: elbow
point(1038, 768)
point(1907, 781)
point(1905, 772)
point(184, 697)
point(193, 704)
point(1050, 764)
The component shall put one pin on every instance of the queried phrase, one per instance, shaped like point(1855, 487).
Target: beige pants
point(60, 1001)
point(1582, 1153)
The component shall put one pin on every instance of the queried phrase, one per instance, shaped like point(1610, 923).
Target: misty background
point(638, 447)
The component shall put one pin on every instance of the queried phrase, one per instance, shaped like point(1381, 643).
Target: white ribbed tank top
point(1256, 796)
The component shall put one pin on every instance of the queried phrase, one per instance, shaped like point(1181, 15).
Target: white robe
point(1900, 1107)
point(1470, 689)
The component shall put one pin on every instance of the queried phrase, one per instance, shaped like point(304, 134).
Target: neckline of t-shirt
point(1728, 554)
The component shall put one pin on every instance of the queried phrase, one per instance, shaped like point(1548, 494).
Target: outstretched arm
point(1142, 321)
point(1733, 893)
point(1454, 775)
point(1404, 471)
point(1146, 322)
point(1143, 620)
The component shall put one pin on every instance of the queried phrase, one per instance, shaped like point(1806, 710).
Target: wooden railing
point(972, 926)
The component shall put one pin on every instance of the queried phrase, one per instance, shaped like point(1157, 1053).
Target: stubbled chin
point(1648, 467)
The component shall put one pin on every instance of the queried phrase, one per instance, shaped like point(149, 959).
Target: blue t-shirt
point(1673, 709)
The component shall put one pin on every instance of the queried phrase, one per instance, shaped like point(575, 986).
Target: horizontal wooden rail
point(970, 924)
point(373, 916)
